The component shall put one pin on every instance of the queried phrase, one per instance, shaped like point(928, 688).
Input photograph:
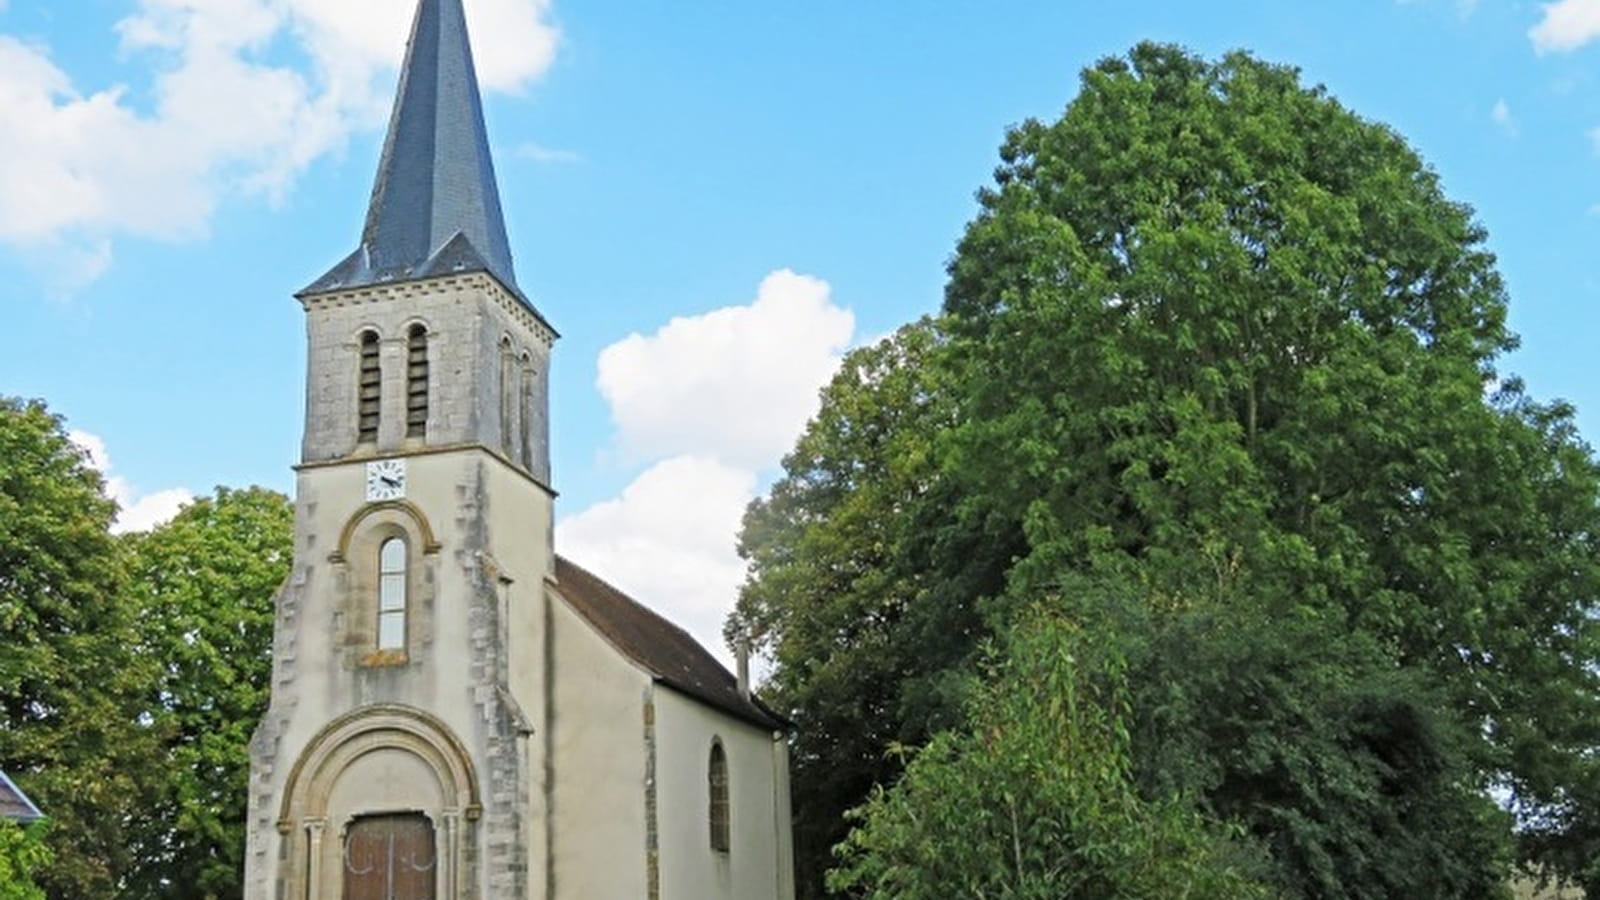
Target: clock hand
point(391, 482)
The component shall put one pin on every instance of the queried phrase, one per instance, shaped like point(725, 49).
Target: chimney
point(742, 654)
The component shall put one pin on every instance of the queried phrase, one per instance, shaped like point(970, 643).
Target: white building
point(458, 712)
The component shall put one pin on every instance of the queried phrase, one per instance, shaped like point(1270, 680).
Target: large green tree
point(134, 669)
point(1222, 318)
point(1212, 327)
point(70, 686)
point(203, 584)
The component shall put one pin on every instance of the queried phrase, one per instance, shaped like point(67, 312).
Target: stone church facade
point(457, 711)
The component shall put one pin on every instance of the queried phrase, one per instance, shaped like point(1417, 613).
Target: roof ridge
point(629, 598)
point(664, 649)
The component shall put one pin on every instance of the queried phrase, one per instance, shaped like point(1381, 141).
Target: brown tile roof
point(14, 804)
point(658, 646)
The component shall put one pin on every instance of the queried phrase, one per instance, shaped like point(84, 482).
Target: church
point(456, 710)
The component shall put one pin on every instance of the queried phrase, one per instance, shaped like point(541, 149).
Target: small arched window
point(417, 382)
point(369, 389)
point(392, 595)
point(717, 775)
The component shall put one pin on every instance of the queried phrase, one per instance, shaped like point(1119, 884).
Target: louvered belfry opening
point(417, 382)
point(508, 403)
point(526, 404)
point(370, 391)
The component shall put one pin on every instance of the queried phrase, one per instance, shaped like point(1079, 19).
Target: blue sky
point(725, 195)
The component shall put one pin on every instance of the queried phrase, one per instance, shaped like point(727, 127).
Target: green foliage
point(135, 669)
point(1352, 772)
point(1212, 336)
point(70, 687)
point(23, 852)
point(1034, 798)
point(1222, 319)
point(204, 585)
point(863, 586)
point(1343, 766)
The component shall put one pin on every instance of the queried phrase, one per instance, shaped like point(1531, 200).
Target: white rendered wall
point(759, 861)
point(597, 748)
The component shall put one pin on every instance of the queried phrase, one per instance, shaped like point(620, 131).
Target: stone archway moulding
point(370, 728)
point(430, 544)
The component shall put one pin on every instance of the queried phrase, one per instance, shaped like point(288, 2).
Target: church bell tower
point(393, 759)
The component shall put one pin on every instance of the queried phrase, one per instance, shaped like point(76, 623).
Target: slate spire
point(435, 207)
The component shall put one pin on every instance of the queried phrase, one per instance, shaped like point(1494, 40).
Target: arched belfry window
point(392, 594)
point(507, 395)
point(526, 408)
point(369, 389)
point(717, 776)
point(417, 382)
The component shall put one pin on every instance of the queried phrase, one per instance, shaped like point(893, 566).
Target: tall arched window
point(392, 595)
point(717, 775)
point(417, 382)
point(525, 408)
point(507, 394)
point(369, 389)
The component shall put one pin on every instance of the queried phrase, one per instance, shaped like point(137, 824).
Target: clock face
point(386, 479)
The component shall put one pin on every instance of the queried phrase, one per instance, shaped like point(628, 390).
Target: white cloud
point(146, 511)
point(738, 383)
point(1594, 139)
point(1501, 115)
point(717, 399)
point(513, 41)
point(225, 116)
point(95, 447)
point(1464, 8)
point(541, 154)
point(137, 511)
point(668, 540)
point(1566, 25)
point(63, 267)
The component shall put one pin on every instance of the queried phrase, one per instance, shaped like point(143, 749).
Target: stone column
point(314, 830)
point(449, 855)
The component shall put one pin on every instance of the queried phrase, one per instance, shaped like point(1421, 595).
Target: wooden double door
point(390, 857)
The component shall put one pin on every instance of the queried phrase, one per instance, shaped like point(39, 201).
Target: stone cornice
point(364, 457)
point(442, 284)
